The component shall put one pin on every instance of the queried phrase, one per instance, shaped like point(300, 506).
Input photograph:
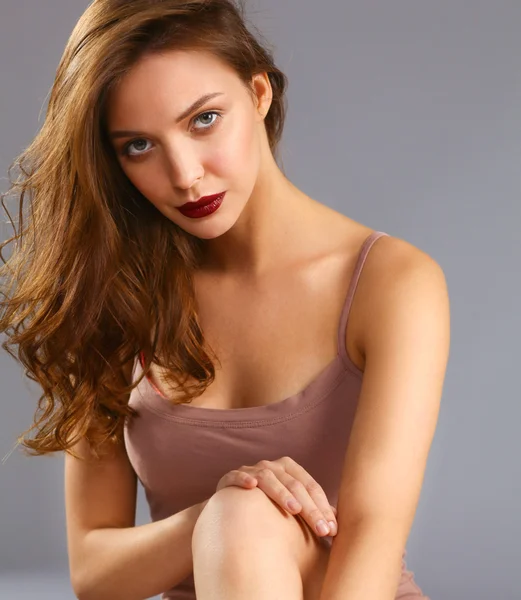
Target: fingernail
point(293, 505)
point(332, 527)
point(322, 528)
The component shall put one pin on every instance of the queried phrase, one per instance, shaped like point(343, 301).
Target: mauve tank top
point(179, 452)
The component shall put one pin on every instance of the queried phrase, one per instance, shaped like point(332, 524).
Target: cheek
point(145, 181)
point(237, 151)
point(234, 156)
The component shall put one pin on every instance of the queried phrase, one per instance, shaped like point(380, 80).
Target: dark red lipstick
point(203, 207)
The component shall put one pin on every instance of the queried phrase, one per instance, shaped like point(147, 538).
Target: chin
point(208, 229)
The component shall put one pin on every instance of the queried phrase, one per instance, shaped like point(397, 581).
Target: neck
point(267, 231)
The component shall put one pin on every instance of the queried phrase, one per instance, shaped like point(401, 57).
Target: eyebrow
point(191, 109)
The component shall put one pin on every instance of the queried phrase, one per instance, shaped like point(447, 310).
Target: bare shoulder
point(392, 257)
point(393, 253)
point(395, 273)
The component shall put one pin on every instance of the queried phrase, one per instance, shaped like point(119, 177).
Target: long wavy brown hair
point(97, 273)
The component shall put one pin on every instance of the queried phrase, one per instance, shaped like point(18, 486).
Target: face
point(174, 154)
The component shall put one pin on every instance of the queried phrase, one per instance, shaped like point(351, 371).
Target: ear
point(263, 92)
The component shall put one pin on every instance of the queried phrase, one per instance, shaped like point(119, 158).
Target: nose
point(184, 168)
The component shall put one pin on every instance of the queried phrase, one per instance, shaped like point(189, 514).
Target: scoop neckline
point(312, 394)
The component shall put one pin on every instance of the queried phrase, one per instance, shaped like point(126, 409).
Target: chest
point(273, 337)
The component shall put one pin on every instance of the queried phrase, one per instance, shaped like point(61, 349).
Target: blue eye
point(127, 147)
point(211, 112)
point(130, 144)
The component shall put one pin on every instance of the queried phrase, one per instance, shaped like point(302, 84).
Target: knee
point(237, 521)
point(234, 513)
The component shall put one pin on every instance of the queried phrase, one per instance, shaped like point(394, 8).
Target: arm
point(109, 557)
point(406, 347)
point(134, 563)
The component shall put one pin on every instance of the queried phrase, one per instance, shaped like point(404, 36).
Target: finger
point(247, 475)
point(313, 488)
point(236, 478)
point(317, 517)
point(244, 479)
point(270, 484)
point(250, 481)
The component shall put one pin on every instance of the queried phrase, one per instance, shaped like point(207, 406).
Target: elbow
point(90, 591)
point(87, 590)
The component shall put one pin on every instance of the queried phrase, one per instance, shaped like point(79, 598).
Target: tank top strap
point(346, 309)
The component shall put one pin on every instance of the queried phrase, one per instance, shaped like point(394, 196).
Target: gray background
point(405, 116)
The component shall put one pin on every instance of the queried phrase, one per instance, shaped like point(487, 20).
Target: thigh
point(249, 509)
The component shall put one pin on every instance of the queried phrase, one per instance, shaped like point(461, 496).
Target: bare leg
point(245, 546)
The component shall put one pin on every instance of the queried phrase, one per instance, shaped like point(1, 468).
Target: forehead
point(175, 78)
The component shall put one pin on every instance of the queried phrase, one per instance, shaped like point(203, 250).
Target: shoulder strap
point(362, 256)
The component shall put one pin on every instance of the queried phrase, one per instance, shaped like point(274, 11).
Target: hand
point(285, 481)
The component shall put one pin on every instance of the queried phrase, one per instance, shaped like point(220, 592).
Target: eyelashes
point(218, 116)
point(209, 112)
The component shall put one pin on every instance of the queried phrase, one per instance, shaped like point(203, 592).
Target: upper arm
point(98, 494)
point(406, 345)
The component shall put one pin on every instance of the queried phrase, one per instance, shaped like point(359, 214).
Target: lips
point(203, 201)
point(204, 207)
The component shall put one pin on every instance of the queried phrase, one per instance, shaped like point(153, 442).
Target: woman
point(167, 240)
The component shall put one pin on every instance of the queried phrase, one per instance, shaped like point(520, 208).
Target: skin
point(265, 229)
point(248, 235)
point(245, 546)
